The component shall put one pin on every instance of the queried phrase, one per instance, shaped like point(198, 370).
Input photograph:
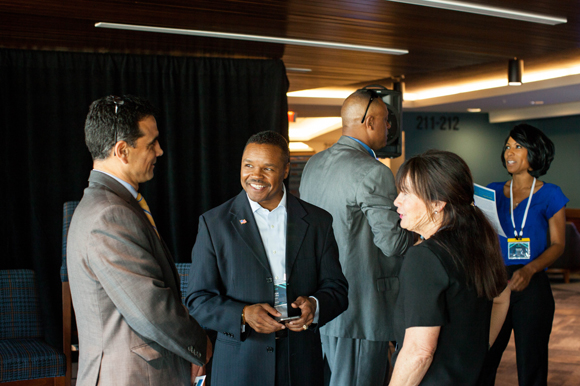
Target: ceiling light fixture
point(515, 72)
point(254, 38)
point(296, 69)
point(487, 10)
point(299, 147)
point(321, 93)
point(454, 89)
point(418, 94)
point(474, 110)
point(304, 129)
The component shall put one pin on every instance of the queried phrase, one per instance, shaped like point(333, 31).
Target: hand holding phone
point(260, 318)
point(308, 309)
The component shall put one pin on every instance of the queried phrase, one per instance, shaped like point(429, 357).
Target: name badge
point(280, 299)
point(519, 249)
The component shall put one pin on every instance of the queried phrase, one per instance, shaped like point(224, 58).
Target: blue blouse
point(546, 202)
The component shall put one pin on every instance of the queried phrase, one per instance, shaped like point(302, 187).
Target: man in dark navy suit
point(246, 247)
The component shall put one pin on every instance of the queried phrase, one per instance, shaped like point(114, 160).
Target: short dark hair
point(444, 176)
point(102, 122)
point(541, 149)
point(270, 137)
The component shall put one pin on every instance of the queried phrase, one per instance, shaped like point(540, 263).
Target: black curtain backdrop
point(209, 107)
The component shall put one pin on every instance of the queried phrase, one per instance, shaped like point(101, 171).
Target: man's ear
point(287, 170)
point(121, 151)
point(369, 122)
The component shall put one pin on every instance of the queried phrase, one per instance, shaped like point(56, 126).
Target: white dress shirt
point(272, 227)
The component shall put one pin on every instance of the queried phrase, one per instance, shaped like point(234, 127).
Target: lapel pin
point(243, 221)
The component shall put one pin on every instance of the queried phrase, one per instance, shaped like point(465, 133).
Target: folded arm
point(376, 196)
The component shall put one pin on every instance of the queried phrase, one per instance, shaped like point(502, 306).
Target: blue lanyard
point(527, 208)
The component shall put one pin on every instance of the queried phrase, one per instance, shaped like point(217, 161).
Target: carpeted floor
point(564, 360)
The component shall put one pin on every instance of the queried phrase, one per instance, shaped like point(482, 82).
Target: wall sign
point(429, 122)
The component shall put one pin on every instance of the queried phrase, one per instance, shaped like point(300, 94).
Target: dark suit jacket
point(230, 269)
point(133, 329)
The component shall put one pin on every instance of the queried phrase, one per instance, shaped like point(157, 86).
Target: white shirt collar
point(256, 206)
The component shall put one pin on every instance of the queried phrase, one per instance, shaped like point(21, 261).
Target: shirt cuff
point(316, 314)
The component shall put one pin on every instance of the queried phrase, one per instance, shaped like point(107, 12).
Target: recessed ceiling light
point(299, 146)
point(474, 110)
point(571, 68)
point(254, 38)
point(537, 102)
point(487, 10)
point(322, 93)
point(304, 129)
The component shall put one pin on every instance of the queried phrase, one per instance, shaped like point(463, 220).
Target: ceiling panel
point(438, 40)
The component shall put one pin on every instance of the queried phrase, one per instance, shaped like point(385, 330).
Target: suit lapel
point(295, 231)
point(121, 191)
point(111, 184)
point(244, 223)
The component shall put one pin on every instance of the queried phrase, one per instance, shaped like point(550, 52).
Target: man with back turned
point(358, 190)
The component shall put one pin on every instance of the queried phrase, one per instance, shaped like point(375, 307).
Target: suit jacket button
point(190, 349)
point(270, 349)
point(268, 280)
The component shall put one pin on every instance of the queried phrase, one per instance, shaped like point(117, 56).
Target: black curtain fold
point(208, 107)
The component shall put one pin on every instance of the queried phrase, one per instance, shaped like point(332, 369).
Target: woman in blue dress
point(532, 215)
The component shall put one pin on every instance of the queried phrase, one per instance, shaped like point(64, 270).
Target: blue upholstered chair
point(25, 358)
point(570, 258)
point(67, 309)
point(183, 270)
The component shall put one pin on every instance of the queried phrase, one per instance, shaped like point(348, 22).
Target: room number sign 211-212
point(426, 122)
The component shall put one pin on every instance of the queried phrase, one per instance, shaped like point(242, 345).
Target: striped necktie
point(145, 207)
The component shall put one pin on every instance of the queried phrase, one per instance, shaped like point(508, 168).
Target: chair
point(183, 270)
point(570, 259)
point(67, 308)
point(25, 358)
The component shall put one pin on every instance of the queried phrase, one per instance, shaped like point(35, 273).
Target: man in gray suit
point(348, 181)
point(133, 328)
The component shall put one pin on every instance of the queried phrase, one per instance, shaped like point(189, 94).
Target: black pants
point(282, 362)
point(530, 315)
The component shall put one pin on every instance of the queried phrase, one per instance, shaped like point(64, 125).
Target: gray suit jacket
point(359, 192)
point(133, 328)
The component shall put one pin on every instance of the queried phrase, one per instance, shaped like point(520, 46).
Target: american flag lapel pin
point(243, 221)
